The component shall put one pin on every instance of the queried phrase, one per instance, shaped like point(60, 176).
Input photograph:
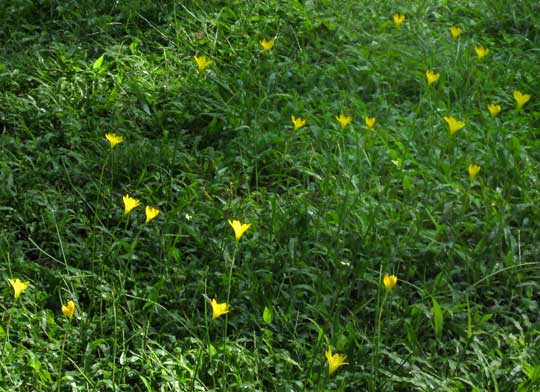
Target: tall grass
point(332, 209)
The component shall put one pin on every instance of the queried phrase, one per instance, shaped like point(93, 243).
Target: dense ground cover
point(332, 208)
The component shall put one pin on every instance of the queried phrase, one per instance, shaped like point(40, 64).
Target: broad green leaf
point(267, 315)
point(98, 63)
point(438, 318)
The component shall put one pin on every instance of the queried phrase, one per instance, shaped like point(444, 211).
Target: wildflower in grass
point(218, 309)
point(69, 309)
point(129, 204)
point(389, 281)
point(399, 19)
point(298, 122)
point(151, 213)
point(521, 99)
point(455, 31)
point(432, 77)
point(344, 120)
point(239, 228)
point(202, 62)
point(18, 287)
point(267, 45)
point(370, 121)
point(494, 110)
point(114, 139)
point(481, 51)
point(454, 124)
point(334, 361)
point(473, 171)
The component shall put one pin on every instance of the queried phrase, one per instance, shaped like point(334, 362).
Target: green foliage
point(332, 209)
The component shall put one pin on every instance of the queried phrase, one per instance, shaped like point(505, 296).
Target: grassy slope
point(329, 208)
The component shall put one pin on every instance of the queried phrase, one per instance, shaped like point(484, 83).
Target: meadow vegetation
point(269, 195)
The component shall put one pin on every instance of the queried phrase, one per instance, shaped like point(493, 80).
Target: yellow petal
point(69, 309)
point(151, 213)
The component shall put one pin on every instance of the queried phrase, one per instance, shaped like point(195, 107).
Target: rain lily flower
point(202, 62)
point(129, 204)
point(18, 287)
point(389, 281)
point(473, 171)
point(69, 309)
point(151, 213)
point(334, 361)
point(432, 77)
point(218, 309)
point(398, 19)
point(455, 31)
point(267, 45)
point(494, 110)
point(239, 228)
point(344, 120)
point(481, 51)
point(454, 124)
point(370, 121)
point(298, 122)
point(114, 139)
point(521, 99)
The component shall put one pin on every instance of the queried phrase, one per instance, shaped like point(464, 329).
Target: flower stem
point(60, 364)
point(229, 288)
point(377, 342)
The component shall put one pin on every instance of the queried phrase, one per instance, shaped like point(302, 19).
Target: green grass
point(332, 210)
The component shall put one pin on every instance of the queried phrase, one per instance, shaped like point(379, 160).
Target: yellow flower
point(218, 309)
point(267, 45)
point(151, 213)
point(454, 124)
point(521, 99)
point(432, 77)
point(473, 171)
point(399, 19)
point(114, 139)
point(298, 122)
point(18, 287)
point(334, 361)
point(69, 309)
point(239, 228)
point(494, 110)
point(130, 203)
point(455, 31)
point(344, 120)
point(389, 281)
point(481, 51)
point(202, 62)
point(370, 121)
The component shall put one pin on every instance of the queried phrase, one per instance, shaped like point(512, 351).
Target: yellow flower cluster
point(19, 287)
point(342, 119)
point(389, 281)
point(130, 203)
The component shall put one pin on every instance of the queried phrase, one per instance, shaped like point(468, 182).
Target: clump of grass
point(355, 146)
